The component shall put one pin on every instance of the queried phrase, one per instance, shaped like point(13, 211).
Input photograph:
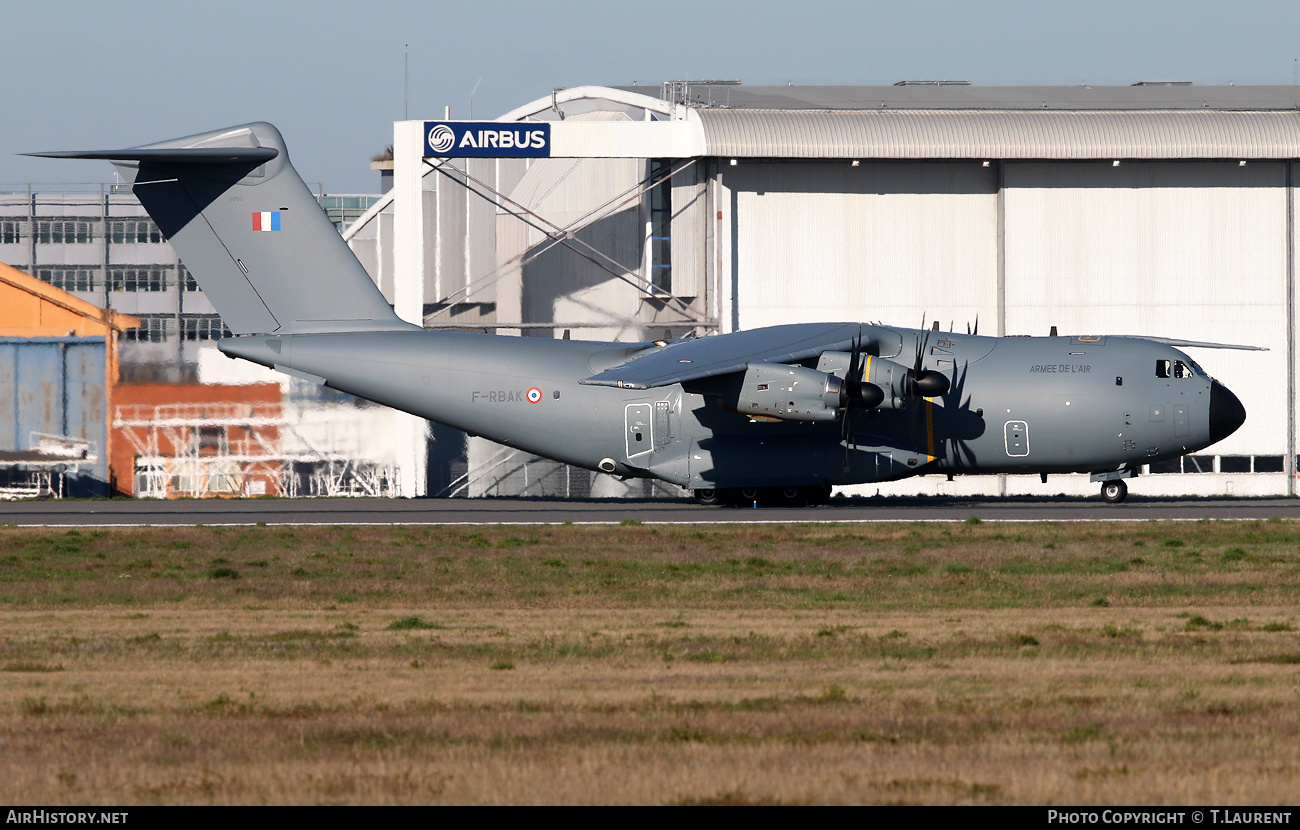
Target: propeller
point(856, 393)
point(922, 382)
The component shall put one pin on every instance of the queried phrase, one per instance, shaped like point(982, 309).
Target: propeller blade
point(851, 396)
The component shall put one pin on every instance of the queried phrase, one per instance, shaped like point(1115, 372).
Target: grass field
point(970, 663)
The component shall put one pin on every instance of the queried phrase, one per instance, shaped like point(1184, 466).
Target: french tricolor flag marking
point(266, 220)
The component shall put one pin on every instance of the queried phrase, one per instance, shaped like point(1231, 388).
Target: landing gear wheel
point(708, 496)
point(1114, 491)
point(749, 495)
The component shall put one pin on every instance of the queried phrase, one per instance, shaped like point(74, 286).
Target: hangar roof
point(950, 96)
point(1002, 134)
point(930, 121)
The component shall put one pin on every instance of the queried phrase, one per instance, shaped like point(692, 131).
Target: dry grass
point(939, 664)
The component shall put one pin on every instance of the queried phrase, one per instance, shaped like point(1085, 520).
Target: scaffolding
point(198, 450)
point(41, 472)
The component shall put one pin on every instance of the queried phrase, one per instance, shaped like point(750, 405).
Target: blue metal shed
point(57, 386)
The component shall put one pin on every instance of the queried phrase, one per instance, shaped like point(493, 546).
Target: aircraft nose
point(1226, 412)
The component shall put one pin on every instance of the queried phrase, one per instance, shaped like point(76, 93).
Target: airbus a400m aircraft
point(780, 413)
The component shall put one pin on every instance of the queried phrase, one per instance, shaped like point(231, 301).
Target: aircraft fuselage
point(1015, 405)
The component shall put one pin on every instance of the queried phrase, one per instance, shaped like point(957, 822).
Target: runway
point(130, 513)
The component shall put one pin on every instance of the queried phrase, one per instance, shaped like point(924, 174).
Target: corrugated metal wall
point(882, 241)
point(60, 389)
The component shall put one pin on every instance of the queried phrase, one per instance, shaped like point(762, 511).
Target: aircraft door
point(1017, 438)
point(639, 429)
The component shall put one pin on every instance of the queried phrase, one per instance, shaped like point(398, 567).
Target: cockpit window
point(1173, 369)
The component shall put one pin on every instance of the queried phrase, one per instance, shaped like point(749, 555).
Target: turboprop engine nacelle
point(897, 382)
point(889, 377)
point(790, 393)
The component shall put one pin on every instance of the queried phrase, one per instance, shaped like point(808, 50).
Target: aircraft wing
point(1201, 344)
point(711, 356)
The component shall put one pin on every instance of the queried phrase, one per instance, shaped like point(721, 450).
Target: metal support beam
point(1290, 465)
point(1001, 174)
point(566, 236)
point(410, 433)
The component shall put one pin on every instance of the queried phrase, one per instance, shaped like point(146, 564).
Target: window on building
point(1172, 465)
point(63, 232)
point(129, 231)
point(208, 440)
point(153, 328)
point(137, 278)
point(661, 223)
point(69, 279)
point(187, 281)
point(203, 327)
point(1269, 464)
point(11, 231)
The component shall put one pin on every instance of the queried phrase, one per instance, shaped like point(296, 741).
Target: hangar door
point(824, 241)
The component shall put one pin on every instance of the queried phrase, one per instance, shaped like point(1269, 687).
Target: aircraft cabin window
point(1162, 368)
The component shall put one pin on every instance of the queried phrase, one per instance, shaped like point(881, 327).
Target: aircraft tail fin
point(251, 232)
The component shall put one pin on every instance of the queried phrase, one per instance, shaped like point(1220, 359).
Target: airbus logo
point(487, 139)
point(441, 138)
point(504, 139)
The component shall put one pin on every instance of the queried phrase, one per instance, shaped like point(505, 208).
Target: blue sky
point(88, 75)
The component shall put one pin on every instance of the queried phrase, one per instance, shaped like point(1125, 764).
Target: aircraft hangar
point(1162, 209)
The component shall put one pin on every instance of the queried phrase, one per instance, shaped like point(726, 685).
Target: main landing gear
point(767, 496)
point(1114, 490)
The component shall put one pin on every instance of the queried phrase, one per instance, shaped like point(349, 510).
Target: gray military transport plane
point(779, 414)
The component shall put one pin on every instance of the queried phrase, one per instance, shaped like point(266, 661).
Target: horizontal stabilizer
point(177, 155)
